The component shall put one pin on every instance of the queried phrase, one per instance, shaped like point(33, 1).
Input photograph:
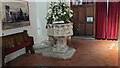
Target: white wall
point(33, 19)
point(32, 30)
point(41, 21)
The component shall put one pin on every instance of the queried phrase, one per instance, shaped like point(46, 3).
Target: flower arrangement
point(59, 11)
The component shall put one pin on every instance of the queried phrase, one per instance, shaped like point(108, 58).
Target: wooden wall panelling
point(90, 11)
point(94, 27)
point(82, 29)
point(75, 15)
point(82, 19)
point(76, 30)
point(90, 25)
point(81, 26)
point(89, 29)
point(81, 14)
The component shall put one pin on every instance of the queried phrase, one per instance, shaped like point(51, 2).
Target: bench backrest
point(13, 40)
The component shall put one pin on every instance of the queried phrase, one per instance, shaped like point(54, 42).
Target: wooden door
point(80, 25)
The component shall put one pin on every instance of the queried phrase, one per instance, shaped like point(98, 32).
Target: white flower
point(58, 12)
point(64, 13)
point(63, 4)
point(47, 17)
point(55, 4)
point(56, 17)
point(70, 15)
point(49, 10)
point(71, 11)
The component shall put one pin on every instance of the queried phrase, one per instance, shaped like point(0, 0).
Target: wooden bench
point(14, 42)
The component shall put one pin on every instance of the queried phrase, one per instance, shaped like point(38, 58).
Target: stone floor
point(88, 53)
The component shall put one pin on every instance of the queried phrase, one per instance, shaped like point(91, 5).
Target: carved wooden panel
point(81, 14)
point(82, 29)
point(89, 29)
point(90, 11)
point(75, 15)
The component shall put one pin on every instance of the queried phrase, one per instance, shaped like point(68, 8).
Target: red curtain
point(113, 20)
point(119, 10)
point(101, 15)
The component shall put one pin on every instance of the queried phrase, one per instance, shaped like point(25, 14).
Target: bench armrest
point(31, 39)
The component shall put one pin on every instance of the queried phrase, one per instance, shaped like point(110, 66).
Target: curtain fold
point(113, 21)
point(101, 15)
